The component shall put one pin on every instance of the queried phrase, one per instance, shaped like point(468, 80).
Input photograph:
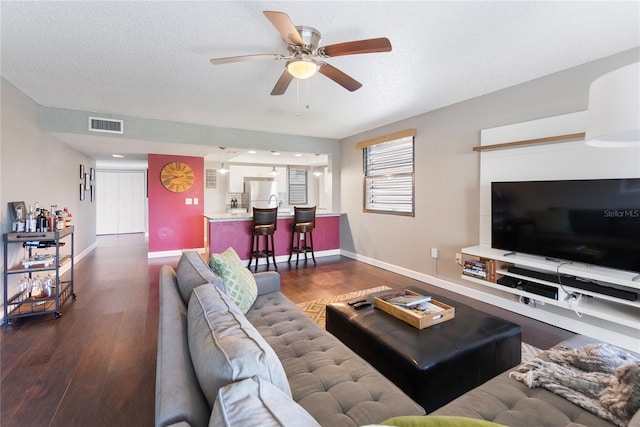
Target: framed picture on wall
point(81, 171)
point(92, 174)
point(82, 191)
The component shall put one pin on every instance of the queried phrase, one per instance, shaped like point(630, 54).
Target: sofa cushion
point(331, 382)
point(507, 401)
point(438, 421)
point(174, 369)
point(240, 283)
point(192, 271)
point(225, 347)
point(256, 402)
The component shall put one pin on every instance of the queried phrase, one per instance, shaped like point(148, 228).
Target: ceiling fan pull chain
point(308, 104)
point(297, 97)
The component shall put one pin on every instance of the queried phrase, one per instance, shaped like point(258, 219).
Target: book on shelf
point(475, 268)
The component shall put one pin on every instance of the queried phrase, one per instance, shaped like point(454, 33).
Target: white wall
point(36, 167)
point(448, 170)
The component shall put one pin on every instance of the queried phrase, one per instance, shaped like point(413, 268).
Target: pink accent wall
point(223, 234)
point(173, 225)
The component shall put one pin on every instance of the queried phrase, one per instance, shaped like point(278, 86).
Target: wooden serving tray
point(437, 312)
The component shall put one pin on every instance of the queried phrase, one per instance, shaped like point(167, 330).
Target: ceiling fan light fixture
point(302, 68)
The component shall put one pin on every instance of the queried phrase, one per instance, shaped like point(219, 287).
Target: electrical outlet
point(459, 259)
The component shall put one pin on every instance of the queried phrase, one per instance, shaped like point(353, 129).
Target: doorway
point(121, 202)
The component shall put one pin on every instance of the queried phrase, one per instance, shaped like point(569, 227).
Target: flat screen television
point(595, 221)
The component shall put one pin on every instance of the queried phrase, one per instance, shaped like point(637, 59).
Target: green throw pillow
point(438, 421)
point(241, 285)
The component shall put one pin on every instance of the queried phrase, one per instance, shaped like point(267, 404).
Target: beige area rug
point(316, 311)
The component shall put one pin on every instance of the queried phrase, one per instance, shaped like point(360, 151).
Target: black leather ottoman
point(436, 364)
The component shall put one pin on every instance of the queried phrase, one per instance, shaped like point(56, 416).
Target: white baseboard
point(279, 258)
point(172, 253)
point(78, 257)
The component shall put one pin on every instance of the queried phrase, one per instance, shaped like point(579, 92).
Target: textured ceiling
point(150, 59)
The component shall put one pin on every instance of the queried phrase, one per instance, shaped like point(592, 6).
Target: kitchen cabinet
point(236, 179)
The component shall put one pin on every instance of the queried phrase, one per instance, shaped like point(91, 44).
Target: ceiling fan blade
point(282, 84)
point(339, 77)
point(381, 44)
point(285, 27)
point(218, 61)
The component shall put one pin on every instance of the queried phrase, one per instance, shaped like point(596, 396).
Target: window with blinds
point(297, 186)
point(389, 176)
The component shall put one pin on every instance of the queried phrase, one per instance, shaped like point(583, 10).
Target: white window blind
point(297, 186)
point(388, 181)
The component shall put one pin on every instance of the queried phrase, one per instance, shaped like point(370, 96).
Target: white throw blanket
point(600, 378)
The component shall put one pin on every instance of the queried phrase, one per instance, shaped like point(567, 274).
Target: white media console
point(590, 312)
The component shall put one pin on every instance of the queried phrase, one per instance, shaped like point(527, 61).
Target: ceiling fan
point(305, 56)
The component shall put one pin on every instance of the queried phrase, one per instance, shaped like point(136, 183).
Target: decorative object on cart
point(37, 294)
point(18, 213)
point(44, 260)
point(177, 177)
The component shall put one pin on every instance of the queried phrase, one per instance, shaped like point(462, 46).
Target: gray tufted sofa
point(507, 401)
point(327, 380)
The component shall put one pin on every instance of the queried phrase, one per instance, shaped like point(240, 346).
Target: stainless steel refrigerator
point(261, 193)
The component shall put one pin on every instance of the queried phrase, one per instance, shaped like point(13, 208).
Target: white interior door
point(120, 202)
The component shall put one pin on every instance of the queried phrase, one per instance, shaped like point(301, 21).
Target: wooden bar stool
point(265, 221)
point(304, 221)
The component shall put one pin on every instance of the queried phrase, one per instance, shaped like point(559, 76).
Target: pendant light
point(613, 118)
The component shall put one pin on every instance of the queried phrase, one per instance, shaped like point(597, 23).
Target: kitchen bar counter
point(223, 230)
point(227, 216)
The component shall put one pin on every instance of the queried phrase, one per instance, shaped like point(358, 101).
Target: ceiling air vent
point(97, 124)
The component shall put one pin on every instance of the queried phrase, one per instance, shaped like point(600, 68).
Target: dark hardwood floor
point(95, 366)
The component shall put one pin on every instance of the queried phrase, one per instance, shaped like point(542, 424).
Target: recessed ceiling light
point(117, 155)
point(251, 151)
point(298, 155)
point(275, 153)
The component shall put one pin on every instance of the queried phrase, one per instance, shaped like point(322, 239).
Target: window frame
point(367, 178)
